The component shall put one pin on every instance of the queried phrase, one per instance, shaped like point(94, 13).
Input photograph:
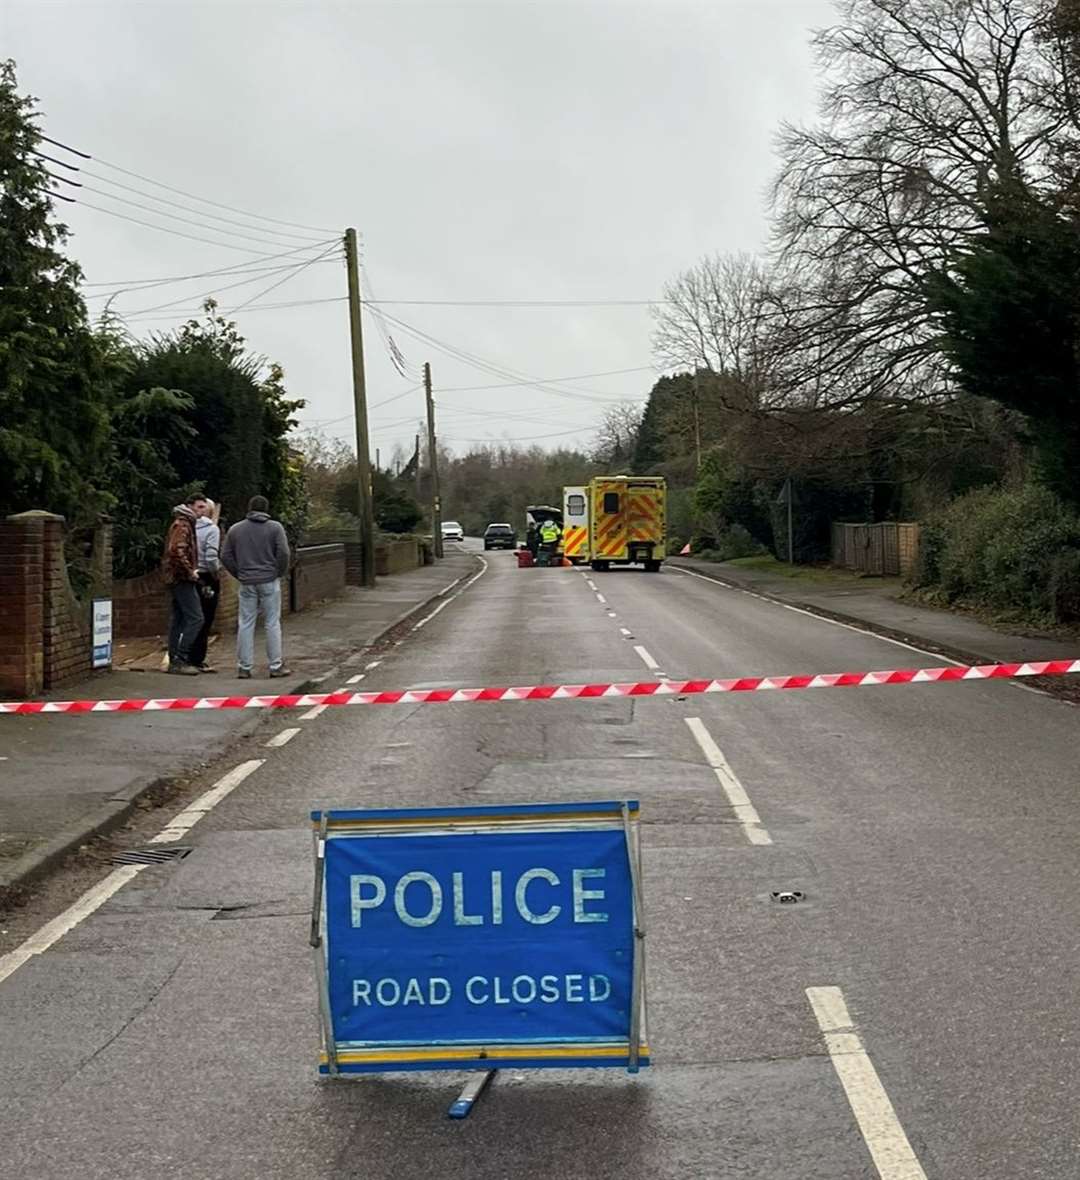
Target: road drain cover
point(787, 896)
point(150, 856)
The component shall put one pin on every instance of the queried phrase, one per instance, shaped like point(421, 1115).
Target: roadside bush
point(1065, 586)
point(732, 543)
point(1013, 549)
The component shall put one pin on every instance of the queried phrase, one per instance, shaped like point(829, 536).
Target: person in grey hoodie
point(256, 553)
point(208, 540)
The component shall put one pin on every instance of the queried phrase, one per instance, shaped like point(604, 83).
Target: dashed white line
point(93, 899)
point(373, 664)
point(884, 1136)
point(442, 605)
point(626, 633)
point(736, 794)
point(282, 738)
point(355, 679)
point(601, 598)
point(311, 714)
point(646, 659)
point(427, 618)
point(181, 824)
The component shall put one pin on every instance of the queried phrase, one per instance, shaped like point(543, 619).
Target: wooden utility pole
point(378, 466)
point(416, 452)
point(433, 463)
point(363, 454)
point(697, 418)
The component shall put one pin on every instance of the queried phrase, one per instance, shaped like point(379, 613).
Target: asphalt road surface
point(915, 1014)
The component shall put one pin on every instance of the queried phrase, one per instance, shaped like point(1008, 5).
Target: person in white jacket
point(208, 540)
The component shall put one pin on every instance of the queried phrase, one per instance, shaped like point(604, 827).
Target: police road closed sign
point(481, 937)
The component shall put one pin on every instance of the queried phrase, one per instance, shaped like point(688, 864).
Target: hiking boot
point(182, 670)
point(243, 673)
point(277, 673)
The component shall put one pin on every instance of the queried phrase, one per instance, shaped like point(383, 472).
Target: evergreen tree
point(54, 373)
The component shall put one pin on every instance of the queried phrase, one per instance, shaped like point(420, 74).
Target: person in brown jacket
point(180, 568)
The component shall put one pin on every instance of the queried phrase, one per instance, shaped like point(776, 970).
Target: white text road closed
point(509, 931)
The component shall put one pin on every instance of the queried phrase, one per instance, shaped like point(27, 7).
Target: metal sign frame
point(630, 1051)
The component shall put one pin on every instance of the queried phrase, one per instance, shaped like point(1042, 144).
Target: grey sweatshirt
point(208, 539)
point(256, 550)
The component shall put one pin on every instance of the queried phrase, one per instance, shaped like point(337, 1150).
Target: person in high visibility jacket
point(549, 540)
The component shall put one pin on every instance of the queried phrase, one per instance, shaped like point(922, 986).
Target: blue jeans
point(261, 598)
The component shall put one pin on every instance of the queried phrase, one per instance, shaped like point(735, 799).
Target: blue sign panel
point(480, 937)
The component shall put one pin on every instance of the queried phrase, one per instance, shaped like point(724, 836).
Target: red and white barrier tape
point(558, 692)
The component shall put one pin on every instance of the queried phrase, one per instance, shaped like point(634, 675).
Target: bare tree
point(715, 317)
point(617, 434)
point(934, 112)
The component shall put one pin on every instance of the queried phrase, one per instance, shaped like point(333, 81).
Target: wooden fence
point(889, 548)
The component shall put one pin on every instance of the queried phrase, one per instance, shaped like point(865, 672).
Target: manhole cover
point(149, 856)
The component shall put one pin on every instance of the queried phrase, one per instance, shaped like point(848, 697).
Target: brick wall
point(22, 664)
point(45, 630)
point(318, 573)
point(394, 557)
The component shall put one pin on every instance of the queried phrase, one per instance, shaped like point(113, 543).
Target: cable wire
point(273, 286)
point(163, 229)
point(262, 241)
point(181, 192)
point(238, 268)
point(292, 267)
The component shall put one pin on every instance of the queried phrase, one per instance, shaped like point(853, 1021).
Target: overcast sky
point(503, 151)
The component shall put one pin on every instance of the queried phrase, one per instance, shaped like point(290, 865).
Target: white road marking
point(93, 899)
point(601, 598)
point(311, 714)
point(647, 659)
point(612, 615)
point(888, 1144)
point(736, 794)
point(447, 588)
point(427, 618)
point(628, 634)
point(355, 679)
point(281, 739)
point(442, 605)
point(181, 824)
point(590, 583)
point(820, 618)
point(373, 664)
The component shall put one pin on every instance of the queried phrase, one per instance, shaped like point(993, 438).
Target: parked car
point(499, 536)
point(452, 531)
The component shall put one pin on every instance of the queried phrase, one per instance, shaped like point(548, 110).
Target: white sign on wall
point(101, 633)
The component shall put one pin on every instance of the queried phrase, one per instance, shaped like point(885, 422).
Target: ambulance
point(616, 520)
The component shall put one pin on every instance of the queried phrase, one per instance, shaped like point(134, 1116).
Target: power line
point(181, 192)
point(531, 438)
point(261, 307)
point(239, 268)
point(163, 229)
point(547, 380)
point(292, 267)
point(291, 275)
point(177, 205)
point(262, 241)
point(518, 302)
point(495, 369)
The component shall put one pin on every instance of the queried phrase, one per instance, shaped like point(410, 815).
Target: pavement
point(61, 787)
point(878, 605)
point(912, 1017)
